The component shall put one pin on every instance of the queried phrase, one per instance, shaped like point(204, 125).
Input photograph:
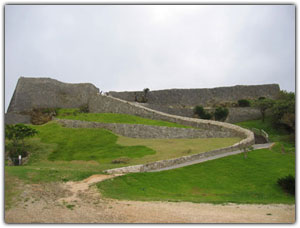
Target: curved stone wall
point(146, 131)
point(171, 162)
point(107, 104)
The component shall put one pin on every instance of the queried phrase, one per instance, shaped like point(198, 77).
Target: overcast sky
point(156, 46)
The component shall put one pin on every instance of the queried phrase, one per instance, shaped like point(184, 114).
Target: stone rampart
point(146, 131)
point(15, 118)
point(49, 93)
point(106, 104)
point(236, 114)
point(205, 97)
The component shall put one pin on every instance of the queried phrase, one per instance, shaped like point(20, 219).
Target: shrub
point(84, 109)
point(244, 103)
point(121, 160)
point(199, 111)
point(221, 113)
point(16, 134)
point(287, 183)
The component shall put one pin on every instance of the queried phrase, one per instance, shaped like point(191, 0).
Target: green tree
point(244, 103)
point(16, 134)
point(283, 111)
point(221, 113)
point(263, 105)
point(201, 113)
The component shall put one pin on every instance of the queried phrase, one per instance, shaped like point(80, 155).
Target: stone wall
point(106, 104)
point(15, 118)
point(243, 114)
point(146, 131)
point(236, 114)
point(171, 162)
point(49, 93)
point(205, 97)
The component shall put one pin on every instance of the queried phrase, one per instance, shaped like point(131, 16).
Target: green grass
point(73, 114)
point(62, 154)
point(173, 148)
point(229, 179)
point(86, 144)
point(276, 134)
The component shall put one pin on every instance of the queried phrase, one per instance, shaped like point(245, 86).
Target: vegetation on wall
point(201, 113)
point(244, 103)
point(221, 113)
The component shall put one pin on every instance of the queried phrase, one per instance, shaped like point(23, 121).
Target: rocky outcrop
point(49, 93)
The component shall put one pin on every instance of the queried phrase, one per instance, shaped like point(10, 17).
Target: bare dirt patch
point(81, 202)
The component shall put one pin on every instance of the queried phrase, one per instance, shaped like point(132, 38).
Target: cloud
point(131, 47)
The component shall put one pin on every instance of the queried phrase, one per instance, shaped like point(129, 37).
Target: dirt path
point(81, 202)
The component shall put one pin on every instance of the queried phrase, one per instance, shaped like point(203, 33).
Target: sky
point(132, 47)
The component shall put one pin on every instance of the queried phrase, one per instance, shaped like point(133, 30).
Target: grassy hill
point(228, 179)
point(64, 154)
point(74, 114)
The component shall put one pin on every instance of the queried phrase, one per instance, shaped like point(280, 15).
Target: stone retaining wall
point(106, 104)
point(146, 131)
point(171, 162)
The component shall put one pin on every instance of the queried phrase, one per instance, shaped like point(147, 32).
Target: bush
point(244, 103)
point(221, 113)
point(121, 160)
point(199, 110)
point(16, 134)
point(84, 109)
point(287, 183)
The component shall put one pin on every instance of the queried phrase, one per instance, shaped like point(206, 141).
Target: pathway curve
point(81, 202)
point(256, 147)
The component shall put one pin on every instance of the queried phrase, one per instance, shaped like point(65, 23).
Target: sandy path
point(80, 202)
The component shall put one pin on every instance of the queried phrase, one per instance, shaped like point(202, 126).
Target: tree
point(244, 103)
point(17, 133)
point(283, 111)
point(221, 113)
point(146, 91)
point(263, 105)
point(199, 110)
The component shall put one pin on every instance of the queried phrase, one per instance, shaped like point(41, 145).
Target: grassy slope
point(229, 179)
point(276, 134)
point(61, 154)
point(113, 118)
point(172, 148)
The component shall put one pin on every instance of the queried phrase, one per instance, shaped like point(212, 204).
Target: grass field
point(172, 148)
point(62, 154)
point(276, 134)
point(73, 114)
point(228, 179)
